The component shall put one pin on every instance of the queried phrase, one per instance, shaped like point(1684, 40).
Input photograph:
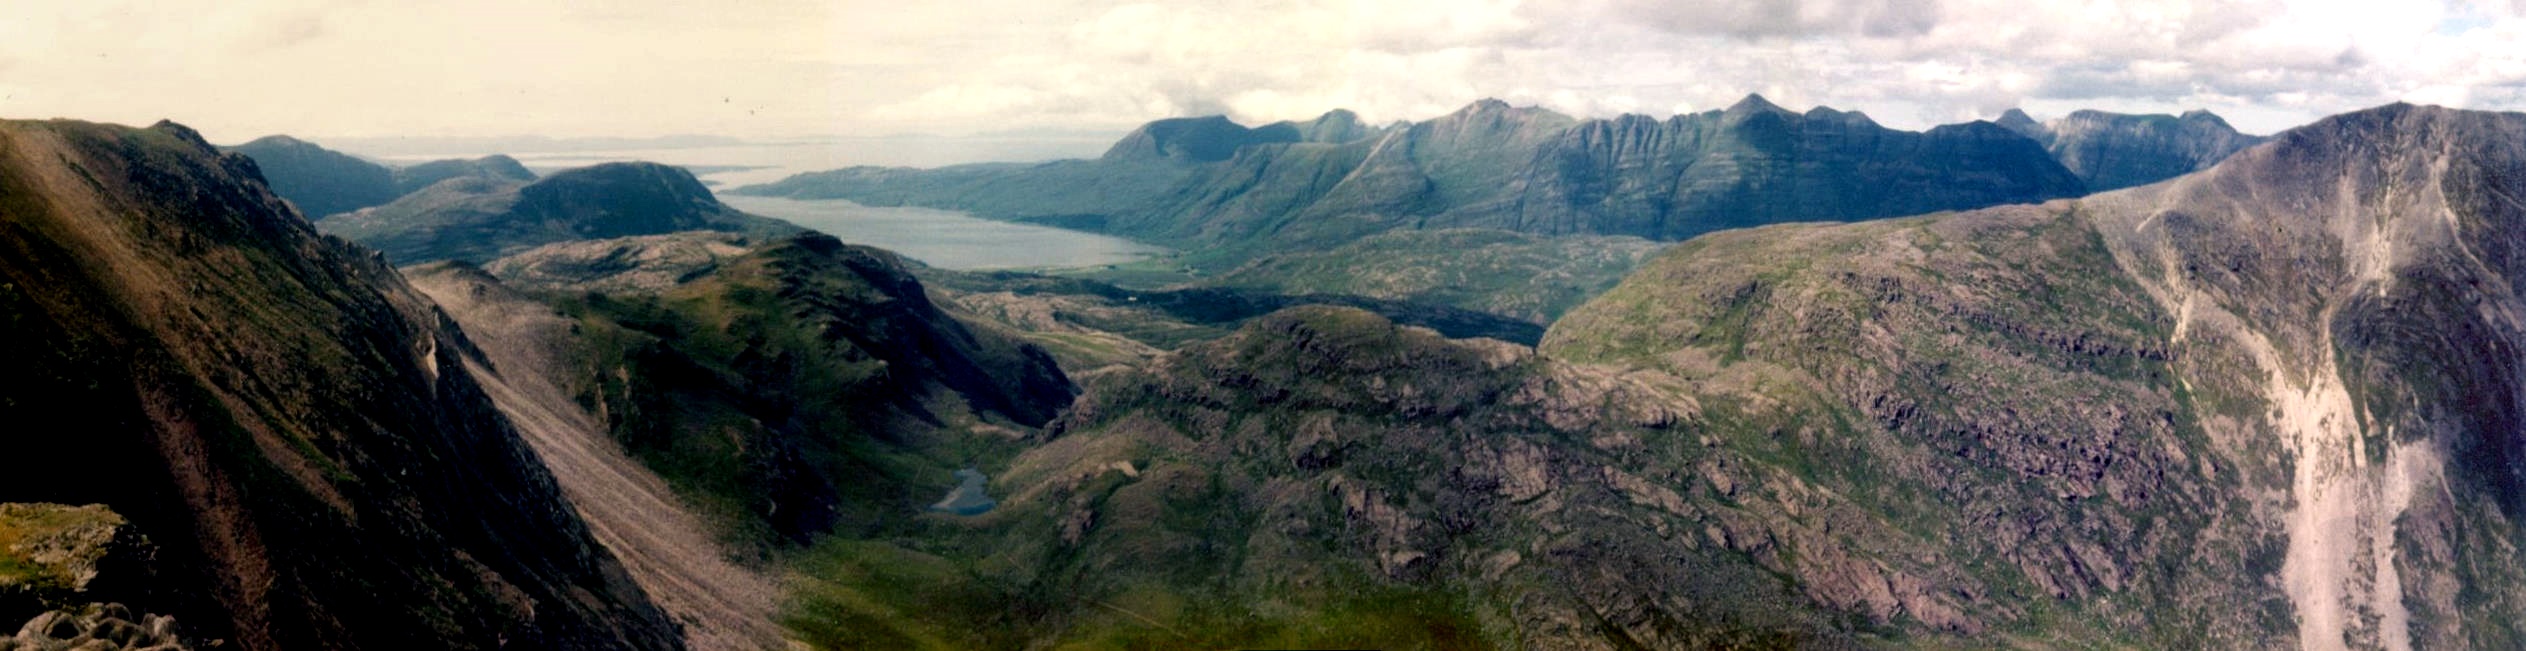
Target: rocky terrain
point(1527, 277)
point(2268, 405)
point(289, 421)
point(54, 555)
point(96, 627)
point(477, 218)
point(2280, 410)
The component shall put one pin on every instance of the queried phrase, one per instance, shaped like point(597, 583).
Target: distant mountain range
point(322, 182)
point(1207, 182)
point(476, 215)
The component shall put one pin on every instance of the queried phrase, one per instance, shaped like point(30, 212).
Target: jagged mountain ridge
point(278, 410)
point(476, 218)
point(1491, 165)
point(2111, 151)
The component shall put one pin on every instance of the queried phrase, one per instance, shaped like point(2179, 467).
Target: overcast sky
point(236, 69)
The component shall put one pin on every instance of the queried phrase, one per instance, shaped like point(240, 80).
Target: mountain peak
point(1755, 102)
point(170, 127)
point(2014, 118)
point(1203, 139)
point(2025, 125)
point(2205, 117)
point(1484, 105)
point(1335, 126)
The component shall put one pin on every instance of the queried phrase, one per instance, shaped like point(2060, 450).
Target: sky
point(764, 69)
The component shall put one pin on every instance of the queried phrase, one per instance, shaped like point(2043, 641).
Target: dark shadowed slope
point(320, 181)
point(291, 422)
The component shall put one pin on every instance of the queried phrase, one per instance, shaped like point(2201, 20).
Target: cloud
point(795, 67)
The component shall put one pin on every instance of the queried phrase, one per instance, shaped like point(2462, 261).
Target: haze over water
point(947, 238)
point(940, 238)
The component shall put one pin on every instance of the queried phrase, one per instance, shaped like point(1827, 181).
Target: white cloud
point(794, 67)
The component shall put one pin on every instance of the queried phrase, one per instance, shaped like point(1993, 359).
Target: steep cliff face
point(1757, 164)
point(290, 422)
point(2359, 278)
point(2277, 397)
point(476, 218)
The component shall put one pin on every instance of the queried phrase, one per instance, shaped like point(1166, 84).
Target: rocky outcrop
point(2273, 404)
point(639, 264)
point(52, 555)
point(477, 218)
point(289, 421)
point(96, 627)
